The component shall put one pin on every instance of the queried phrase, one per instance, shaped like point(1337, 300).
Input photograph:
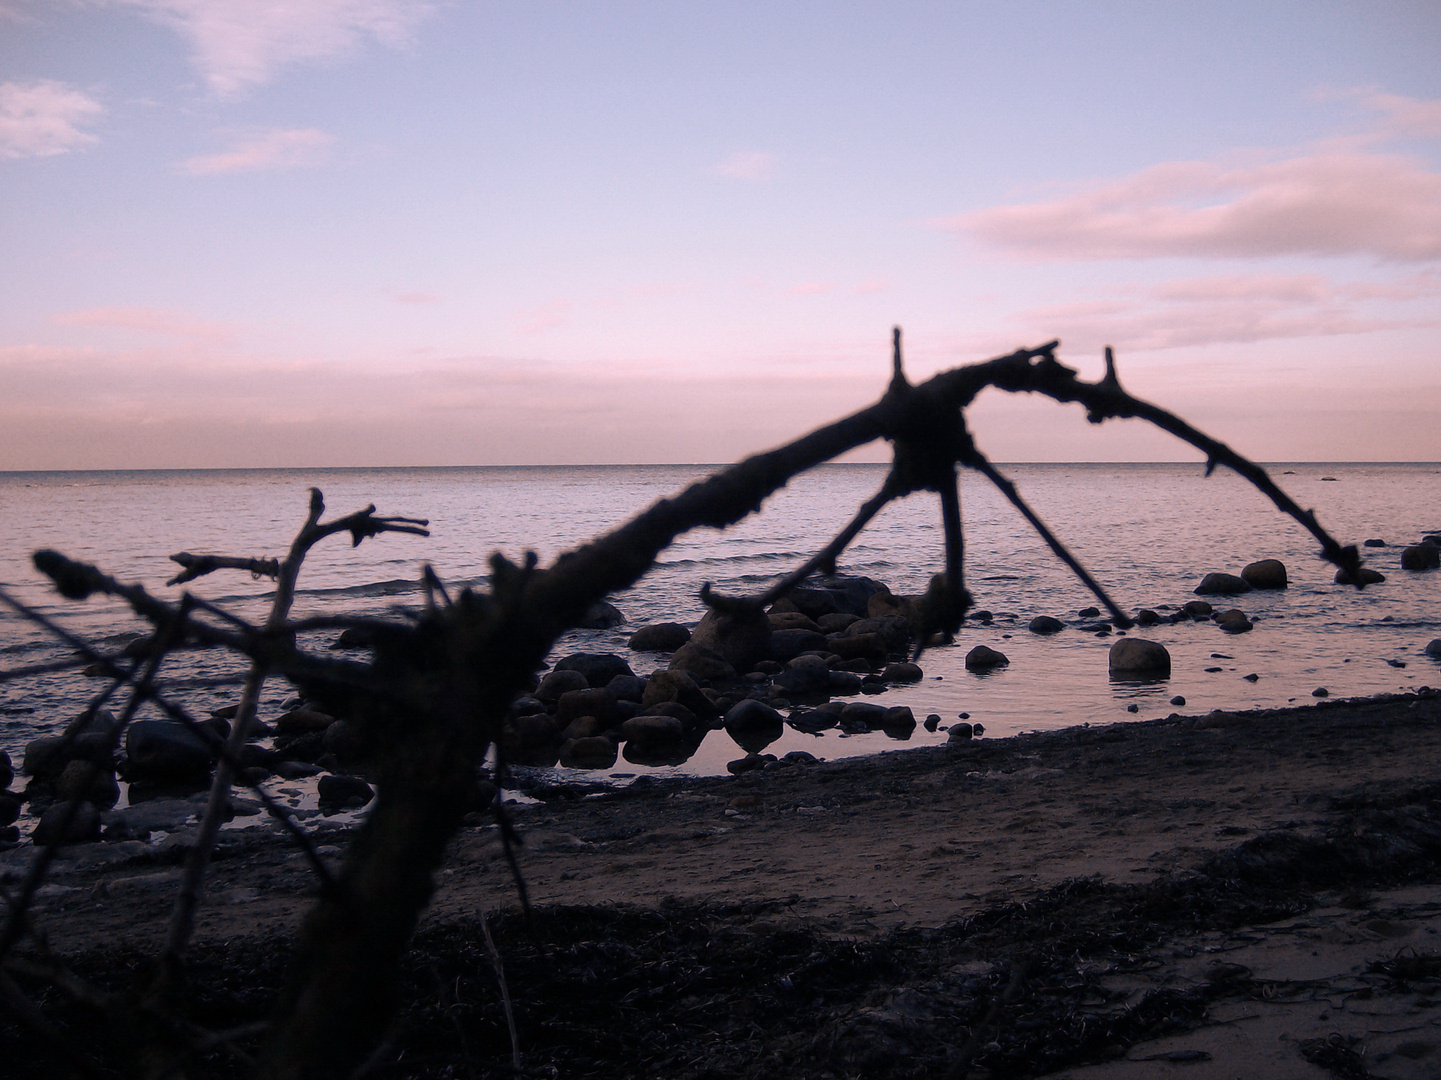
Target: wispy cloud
point(1234, 309)
point(546, 317)
point(43, 118)
point(166, 321)
point(267, 151)
point(747, 165)
point(1400, 116)
point(1325, 203)
point(237, 44)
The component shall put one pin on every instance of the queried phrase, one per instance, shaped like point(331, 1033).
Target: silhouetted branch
point(199, 565)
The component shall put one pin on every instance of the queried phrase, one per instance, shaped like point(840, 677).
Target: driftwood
point(436, 693)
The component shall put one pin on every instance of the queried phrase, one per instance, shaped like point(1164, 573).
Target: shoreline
point(1086, 823)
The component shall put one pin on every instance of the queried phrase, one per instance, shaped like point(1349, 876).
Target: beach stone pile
point(734, 671)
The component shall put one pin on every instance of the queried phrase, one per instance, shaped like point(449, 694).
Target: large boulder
point(1265, 574)
point(601, 615)
point(677, 686)
point(659, 637)
point(1134, 657)
point(1222, 585)
point(893, 630)
point(1421, 557)
point(836, 594)
point(741, 638)
point(792, 620)
point(590, 752)
point(1433, 648)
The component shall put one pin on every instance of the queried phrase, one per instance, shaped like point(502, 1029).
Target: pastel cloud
point(1403, 116)
point(1328, 203)
point(264, 151)
point(747, 165)
point(44, 118)
point(1233, 309)
point(164, 321)
point(238, 44)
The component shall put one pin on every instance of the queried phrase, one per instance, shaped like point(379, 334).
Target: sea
point(1147, 532)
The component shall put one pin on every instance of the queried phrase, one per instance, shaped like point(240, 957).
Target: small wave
point(717, 560)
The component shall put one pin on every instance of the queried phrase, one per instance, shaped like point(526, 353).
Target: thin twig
point(496, 963)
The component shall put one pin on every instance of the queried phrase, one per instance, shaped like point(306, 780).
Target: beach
point(1203, 895)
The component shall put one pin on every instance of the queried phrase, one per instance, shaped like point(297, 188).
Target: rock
point(1088, 613)
point(812, 721)
point(598, 668)
point(659, 637)
point(740, 638)
point(343, 792)
point(1367, 576)
point(601, 616)
point(809, 674)
point(163, 750)
point(531, 740)
point(858, 717)
point(87, 782)
point(9, 809)
point(898, 723)
point(835, 622)
point(1046, 624)
point(679, 687)
point(1139, 658)
point(788, 644)
point(837, 593)
point(1433, 648)
point(1147, 617)
point(354, 637)
point(792, 620)
point(7, 770)
point(1265, 574)
point(626, 688)
point(1197, 609)
point(961, 732)
point(1374, 542)
point(68, 823)
point(558, 682)
point(302, 721)
point(1320, 691)
point(1222, 585)
point(754, 725)
point(844, 683)
point(984, 658)
point(45, 757)
point(654, 728)
point(1420, 557)
point(592, 701)
point(1178, 700)
point(932, 722)
point(904, 672)
point(894, 631)
point(672, 709)
point(1233, 621)
point(591, 752)
point(702, 663)
point(749, 763)
point(344, 739)
point(868, 647)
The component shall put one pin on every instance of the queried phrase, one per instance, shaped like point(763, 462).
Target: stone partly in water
point(164, 750)
point(754, 725)
point(659, 637)
point(601, 615)
point(1222, 585)
point(591, 752)
point(1134, 657)
point(1265, 574)
point(1046, 624)
point(984, 658)
point(702, 663)
point(741, 638)
point(1233, 621)
point(340, 792)
point(598, 668)
point(1420, 557)
point(961, 732)
point(1367, 576)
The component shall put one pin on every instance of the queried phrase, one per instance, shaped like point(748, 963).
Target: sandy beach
point(1211, 896)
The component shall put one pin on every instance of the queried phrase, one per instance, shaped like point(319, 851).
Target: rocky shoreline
point(1230, 894)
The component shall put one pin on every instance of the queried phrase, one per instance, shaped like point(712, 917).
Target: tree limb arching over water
point(436, 692)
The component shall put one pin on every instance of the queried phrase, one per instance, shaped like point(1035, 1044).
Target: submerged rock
point(1420, 557)
point(1367, 576)
point(659, 637)
point(984, 658)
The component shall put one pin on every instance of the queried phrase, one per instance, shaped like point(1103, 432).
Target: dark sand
point(1241, 895)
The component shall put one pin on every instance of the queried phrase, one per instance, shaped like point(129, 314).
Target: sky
point(264, 233)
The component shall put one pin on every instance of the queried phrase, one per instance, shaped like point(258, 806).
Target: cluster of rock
point(734, 671)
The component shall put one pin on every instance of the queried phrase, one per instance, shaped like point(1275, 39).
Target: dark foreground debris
point(698, 991)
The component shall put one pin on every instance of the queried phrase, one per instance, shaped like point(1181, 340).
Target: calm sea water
point(1147, 532)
